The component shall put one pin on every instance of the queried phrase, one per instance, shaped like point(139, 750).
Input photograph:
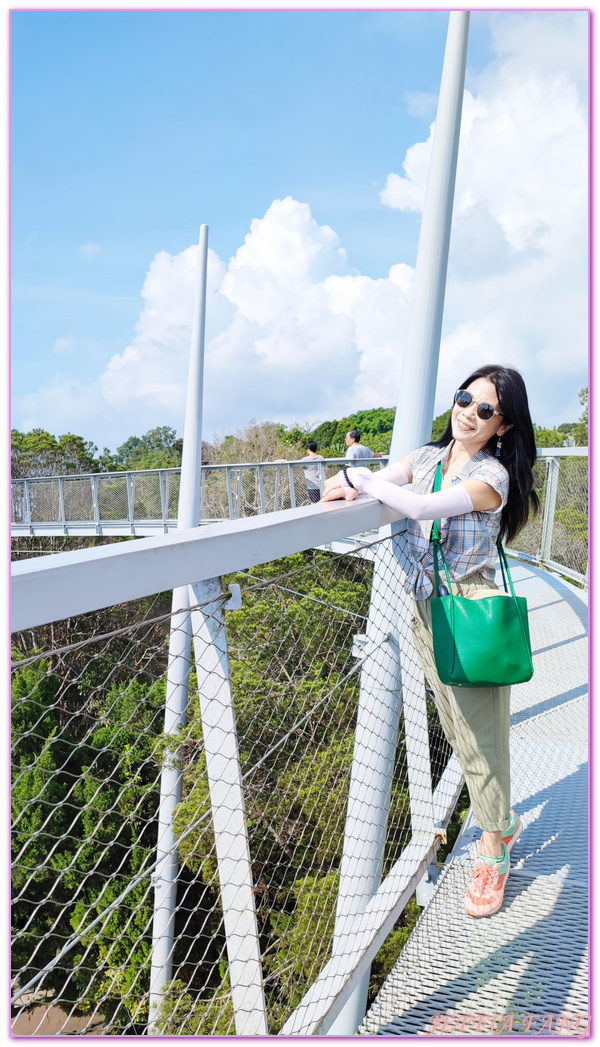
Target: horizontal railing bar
point(51, 588)
point(575, 576)
point(550, 565)
point(562, 452)
point(177, 469)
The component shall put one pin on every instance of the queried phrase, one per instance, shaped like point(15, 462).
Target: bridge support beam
point(379, 701)
point(224, 775)
point(165, 877)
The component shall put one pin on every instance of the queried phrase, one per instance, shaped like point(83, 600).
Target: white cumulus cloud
point(293, 332)
point(517, 279)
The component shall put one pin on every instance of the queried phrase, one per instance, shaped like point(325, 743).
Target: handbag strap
point(436, 530)
point(436, 537)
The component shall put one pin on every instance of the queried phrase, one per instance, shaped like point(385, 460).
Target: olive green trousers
point(475, 720)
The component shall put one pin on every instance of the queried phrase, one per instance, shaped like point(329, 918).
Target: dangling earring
point(498, 447)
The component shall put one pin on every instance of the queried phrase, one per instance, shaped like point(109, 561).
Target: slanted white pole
point(381, 679)
point(412, 427)
point(165, 876)
point(224, 775)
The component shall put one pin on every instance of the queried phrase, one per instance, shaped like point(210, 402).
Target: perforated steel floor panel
point(531, 957)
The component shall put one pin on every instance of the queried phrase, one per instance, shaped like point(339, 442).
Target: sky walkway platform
point(456, 974)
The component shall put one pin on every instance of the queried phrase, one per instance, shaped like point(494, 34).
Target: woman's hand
point(335, 488)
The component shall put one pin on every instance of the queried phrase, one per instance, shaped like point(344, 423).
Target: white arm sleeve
point(394, 474)
point(453, 502)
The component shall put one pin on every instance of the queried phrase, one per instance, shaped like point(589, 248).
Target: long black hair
point(518, 452)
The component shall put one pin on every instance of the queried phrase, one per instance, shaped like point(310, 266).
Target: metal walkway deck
point(455, 973)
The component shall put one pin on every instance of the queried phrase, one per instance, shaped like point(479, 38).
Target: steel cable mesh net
point(113, 500)
point(529, 538)
point(570, 530)
point(570, 519)
point(17, 501)
point(88, 749)
point(234, 493)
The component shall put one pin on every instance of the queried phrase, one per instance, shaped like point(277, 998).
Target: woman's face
point(468, 429)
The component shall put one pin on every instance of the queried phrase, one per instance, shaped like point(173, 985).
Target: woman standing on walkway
point(487, 454)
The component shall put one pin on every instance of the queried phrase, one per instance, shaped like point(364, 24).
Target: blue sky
point(302, 139)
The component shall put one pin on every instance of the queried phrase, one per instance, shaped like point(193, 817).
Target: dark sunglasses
point(485, 411)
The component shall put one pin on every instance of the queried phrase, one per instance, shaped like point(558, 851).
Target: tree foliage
point(374, 425)
point(580, 430)
point(159, 448)
point(256, 442)
point(84, 819)
point(548, 437)
point(439, 424)
point(38, 453)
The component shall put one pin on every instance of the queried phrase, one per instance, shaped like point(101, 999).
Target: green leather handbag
point(479, 641)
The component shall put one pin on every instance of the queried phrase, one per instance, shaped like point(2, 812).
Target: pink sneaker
point(486, 890)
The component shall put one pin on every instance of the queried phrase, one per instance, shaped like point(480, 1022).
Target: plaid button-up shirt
point(468, 541)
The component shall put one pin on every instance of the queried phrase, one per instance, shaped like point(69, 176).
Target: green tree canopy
point(548, 437)
point(38, 453)
point(580, 430)
point(439, 424)
point(159, 448)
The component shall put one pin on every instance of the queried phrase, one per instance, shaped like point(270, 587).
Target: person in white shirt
point(355, 448)
point(312, 473)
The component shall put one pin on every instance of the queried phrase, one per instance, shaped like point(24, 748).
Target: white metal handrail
point(144, 501)
point(273, 486)
point(45, 589)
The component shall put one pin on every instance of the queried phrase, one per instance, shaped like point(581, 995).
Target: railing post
point(95, 507)
point(549, 509)
point(412, 427)
point(61, 503)
point(130, 480)
point(167, 491)
point(229, 491)
point(238, 494)
point(27, 505)
point(276, 490)
point(261, 490)
point(227, 809)
point(163, 500)
point(292, 488)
